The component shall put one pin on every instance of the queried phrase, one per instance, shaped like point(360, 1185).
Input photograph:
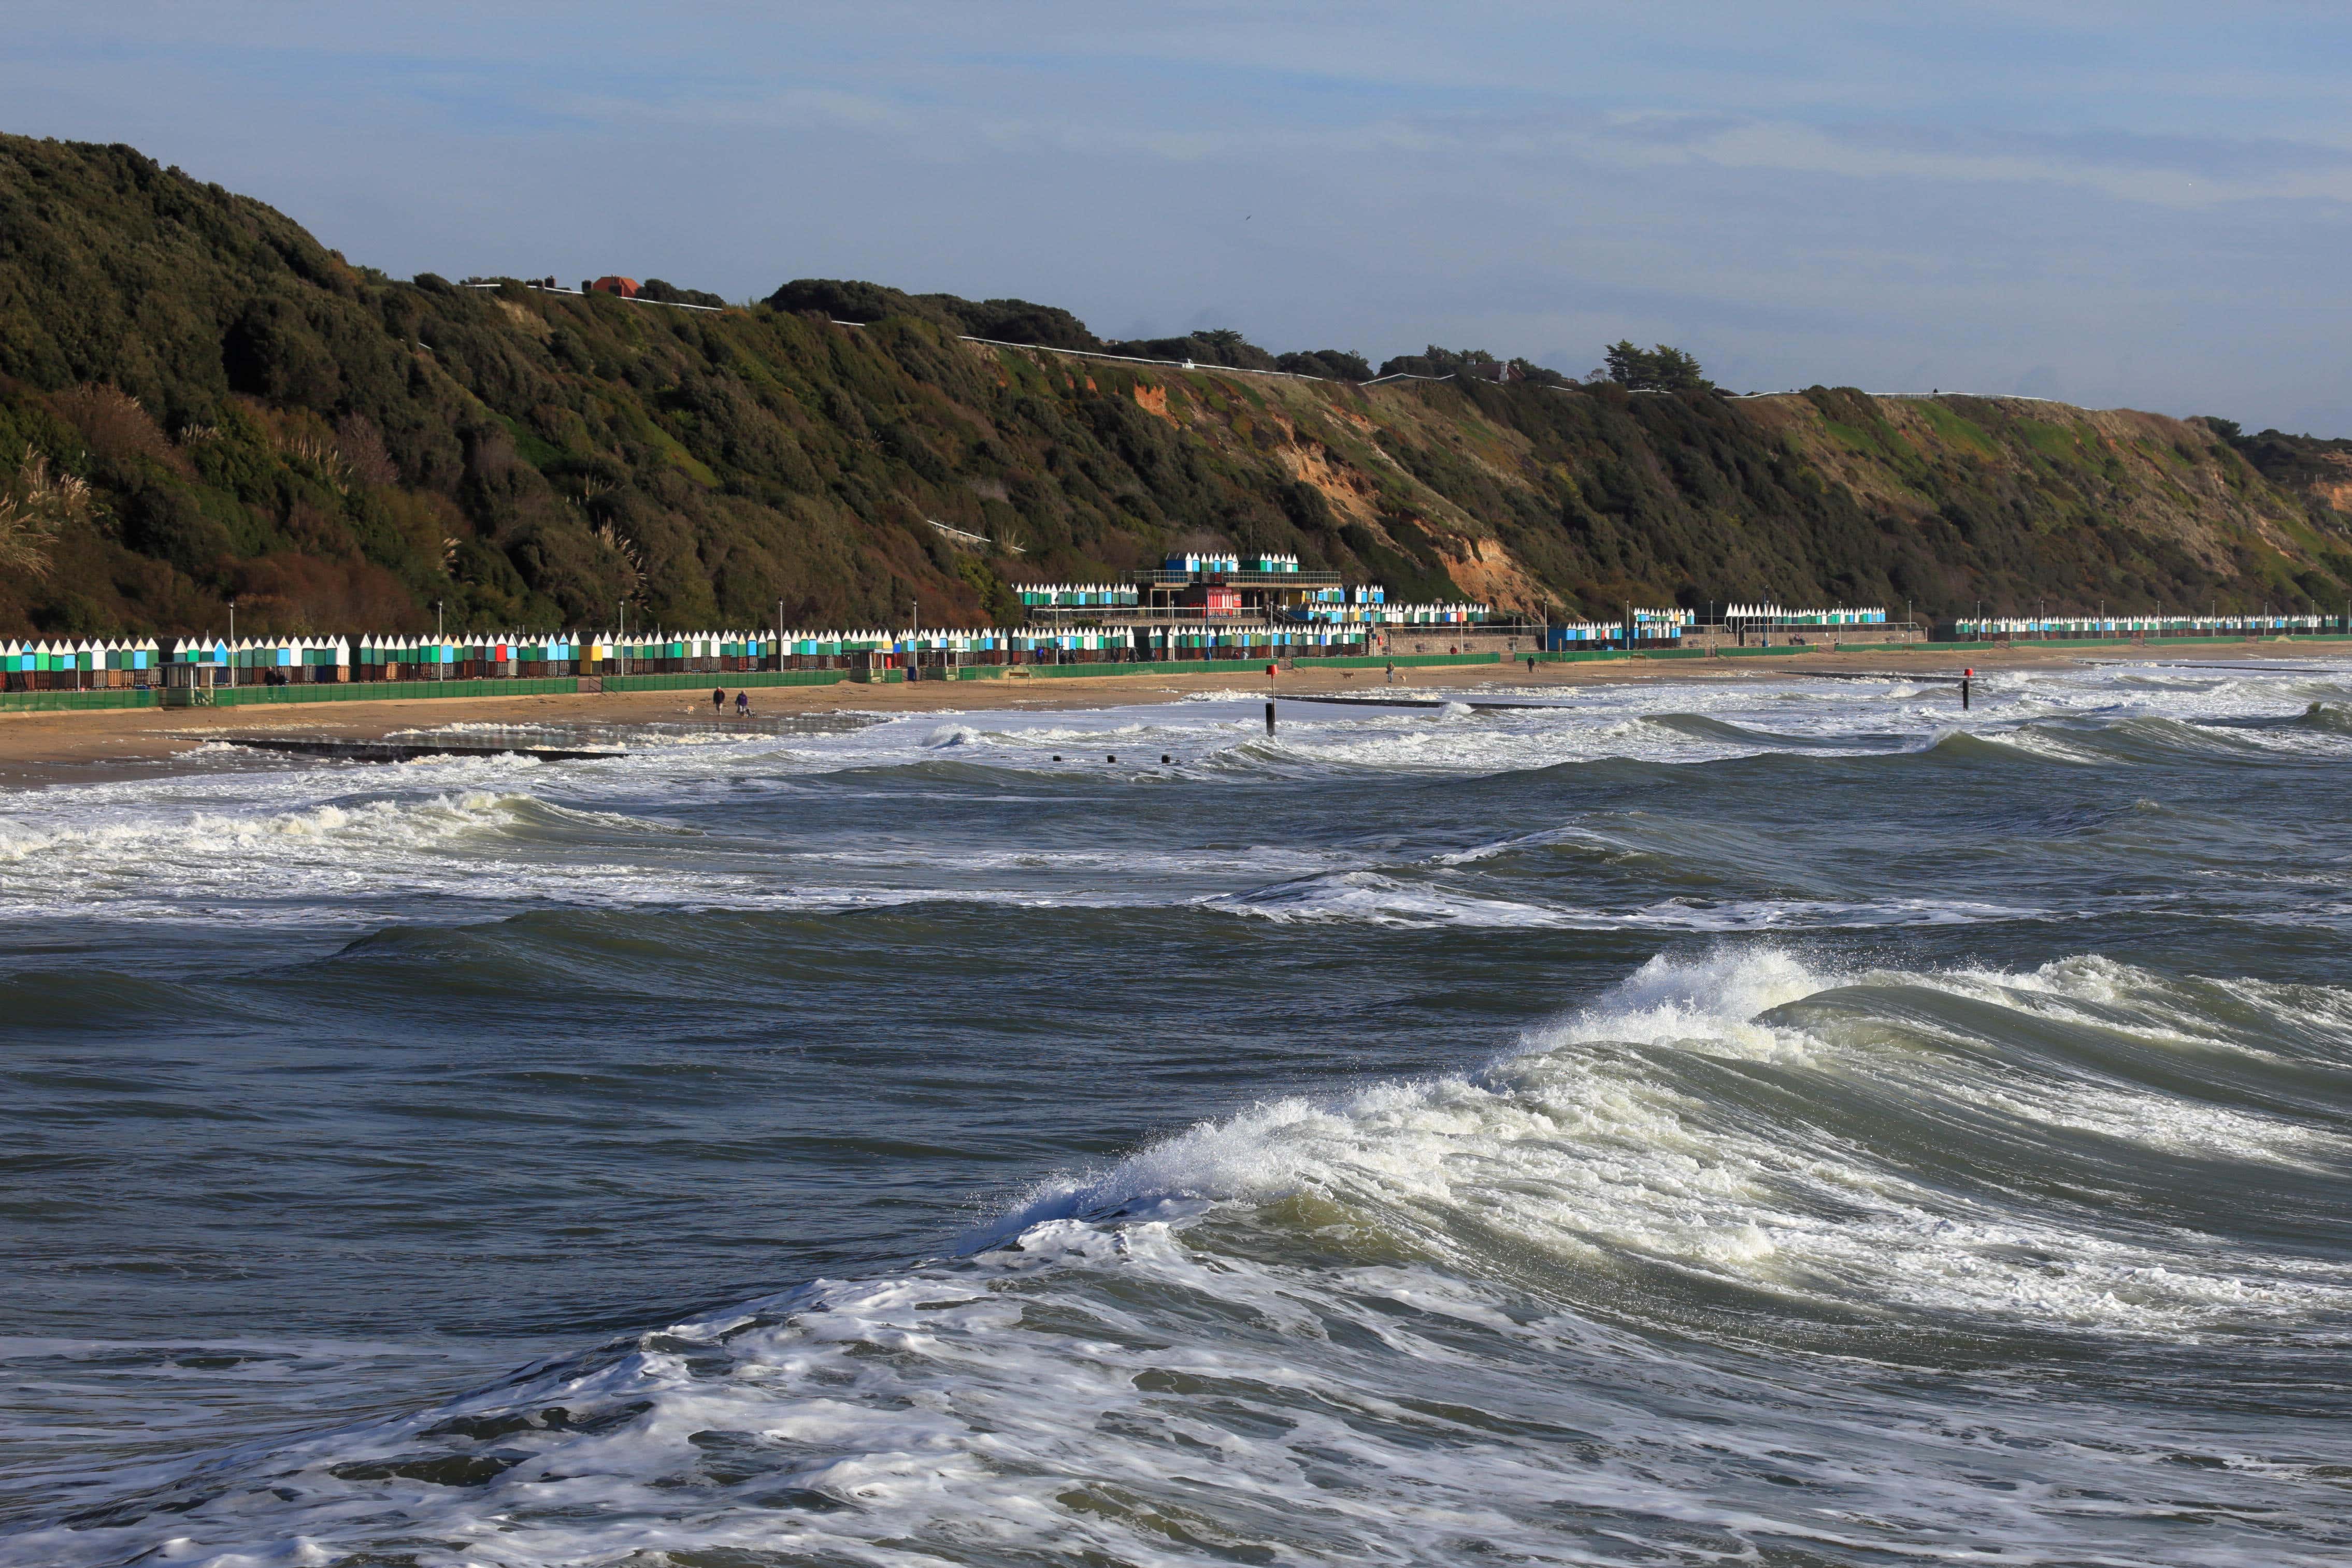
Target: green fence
point(391, 691)
point(384, 691)
point(71, 702)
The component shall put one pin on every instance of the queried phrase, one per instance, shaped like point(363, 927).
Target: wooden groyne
point(550, 744)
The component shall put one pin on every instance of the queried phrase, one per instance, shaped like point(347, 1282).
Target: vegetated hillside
point(198, 401)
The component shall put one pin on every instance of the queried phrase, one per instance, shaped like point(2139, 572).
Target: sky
point(2146, 206)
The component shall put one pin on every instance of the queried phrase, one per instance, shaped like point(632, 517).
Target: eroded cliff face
point(249, 414)
point(1535, 495)
point(2316, 471)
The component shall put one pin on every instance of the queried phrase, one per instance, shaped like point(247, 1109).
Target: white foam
point(1369, 897)
point(1581, 1152)
point(1375, 898)
point(313, 844)
point(1371, 1327)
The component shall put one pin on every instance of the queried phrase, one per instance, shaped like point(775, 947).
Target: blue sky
point(2146, 205)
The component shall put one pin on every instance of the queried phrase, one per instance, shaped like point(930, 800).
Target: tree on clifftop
point(1662, 369)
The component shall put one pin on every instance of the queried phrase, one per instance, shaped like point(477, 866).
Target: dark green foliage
point(670, 294)
point(2293, 460)
point(1331, 364)
point(1473, 363)
point(1476, 365)
point(1000, 320)
point(1217, 345)
point(1436, 361)
point(845, 299)
point(1662, 369)
point(253, 418)
point(1016, 321)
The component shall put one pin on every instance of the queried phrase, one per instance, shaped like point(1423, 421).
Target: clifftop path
point(203, 402)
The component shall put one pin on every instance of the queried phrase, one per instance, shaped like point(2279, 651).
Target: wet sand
point(40, 749)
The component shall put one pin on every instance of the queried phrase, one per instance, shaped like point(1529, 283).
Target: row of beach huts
point(209, 660)
point(74, 665)
point(2264, 623)
point(1777, 617)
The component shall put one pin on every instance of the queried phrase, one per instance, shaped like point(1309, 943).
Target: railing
point(1161, 578)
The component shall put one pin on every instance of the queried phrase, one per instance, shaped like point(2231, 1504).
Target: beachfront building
point(1215, 585)
point(1212, 600)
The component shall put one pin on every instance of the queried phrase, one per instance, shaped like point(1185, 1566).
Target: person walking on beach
point(718, 700)
point(1391, 678)
point(743, 705)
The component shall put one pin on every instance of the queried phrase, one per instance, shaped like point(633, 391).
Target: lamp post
point(232, 641)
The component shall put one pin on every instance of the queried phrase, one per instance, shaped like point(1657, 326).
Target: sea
point(1728, 1120)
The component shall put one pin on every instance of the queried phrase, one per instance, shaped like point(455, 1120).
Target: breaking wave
point(1658, 1284)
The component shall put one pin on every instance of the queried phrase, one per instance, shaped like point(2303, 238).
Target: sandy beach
point(41, 749)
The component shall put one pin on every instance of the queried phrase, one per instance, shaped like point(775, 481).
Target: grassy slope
point(337, 449)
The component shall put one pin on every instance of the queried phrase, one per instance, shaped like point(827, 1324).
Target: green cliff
point(198, 401)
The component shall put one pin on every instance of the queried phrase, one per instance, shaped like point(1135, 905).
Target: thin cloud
point(2146, 201)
